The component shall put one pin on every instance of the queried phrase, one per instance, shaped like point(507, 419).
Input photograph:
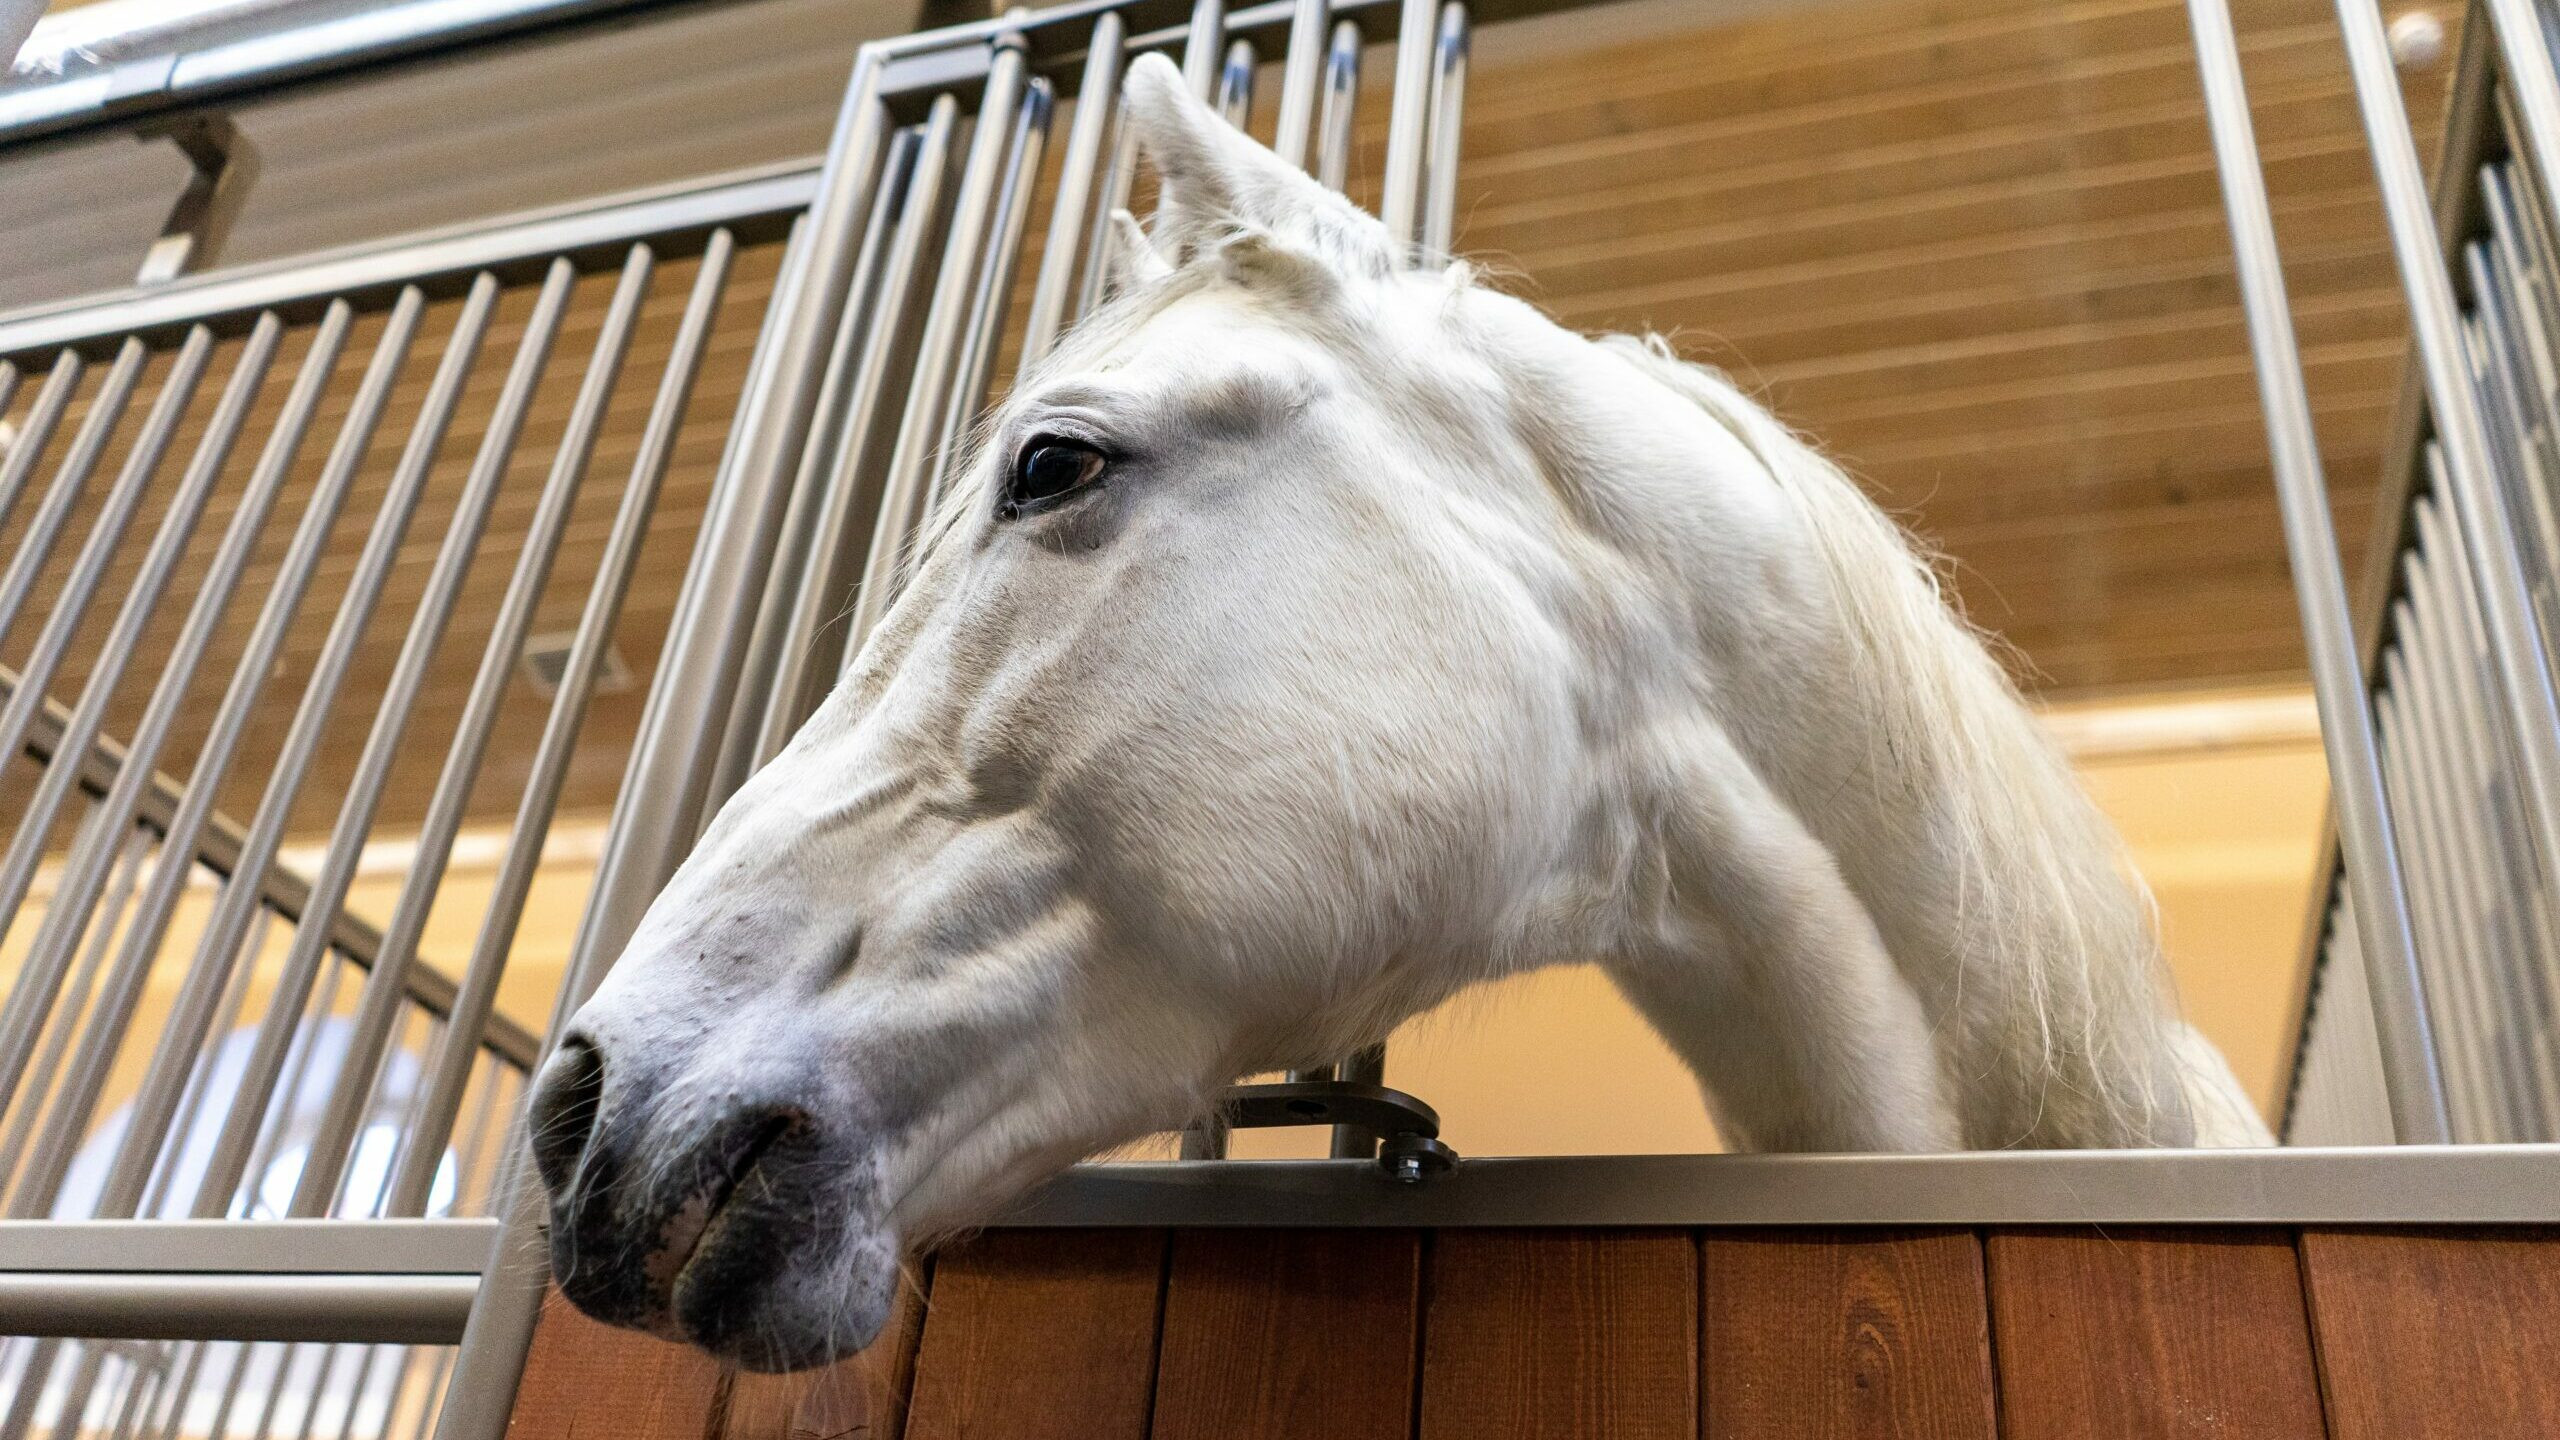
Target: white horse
point(1312, 637)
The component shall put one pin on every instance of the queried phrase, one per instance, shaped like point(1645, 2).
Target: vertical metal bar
point(391, 719)
point(806, 541)
point(2498, 865)
point(2430, 910)
point(191, 1102)
point(1204, 47)
point(1448, 113)
point(182, 1032)
point(477, 992)
point(386, 985)
point(77, 998)
point(241, 895)
point(1301, 77)
point(86, 870)
point(36, 431)
point(2479, 512)
point(2432, 766)
point(2532, 84)
point(851, 487)
point(1235, 84)
point(1341, 103)
point(106, 408)
point(903, 493)
point(2370, 850)
point(667, 788)
point(1072, 215)
point(69, 606)
point(1408, 124)
point(992, 294)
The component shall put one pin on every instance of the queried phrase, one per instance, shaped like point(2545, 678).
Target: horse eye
point(1049, 469)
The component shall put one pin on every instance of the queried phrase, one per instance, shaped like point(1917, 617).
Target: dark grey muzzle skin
point(721, 1212)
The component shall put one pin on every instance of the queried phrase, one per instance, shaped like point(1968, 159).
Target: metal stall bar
point(2506, 605)
point(1202, 50)
point(1408, 124)
point(391, 719)
point(126, 875)
point(413, 1180)
point(991, 290)
point(904, 225)
point(1341, 100)
point(1448, 109)
point(2370, 847)
point(1301, 79)
point(36, 431)
point(93, 855)
point(1073, 215)
point(380, 1005)
point(1234, 100)
point(209, 973)
point(665, 787)
point(106, 407)
point(320, 693)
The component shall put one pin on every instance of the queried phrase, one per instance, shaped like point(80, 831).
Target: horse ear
point(1133, 260)
point(1217, 180)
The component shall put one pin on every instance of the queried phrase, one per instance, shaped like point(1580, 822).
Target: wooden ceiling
point(1974, 246)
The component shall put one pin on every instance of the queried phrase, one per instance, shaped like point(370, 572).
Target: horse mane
point(2059, 988)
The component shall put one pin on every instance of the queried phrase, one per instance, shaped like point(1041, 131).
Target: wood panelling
point(1278, 1334)
point(585, 1381)
point(1809, 1334)
point(2132, 1334)
point(2436, 1334)
point(1844, 1335)
point(1035, 1334)
point(1561, 1335)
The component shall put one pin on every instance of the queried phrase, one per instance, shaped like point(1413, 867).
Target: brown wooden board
point(1041, 1333)
point(2436, 1333)
point(2132, 1333)
point(1833, 1334)
point(861, 1397)
point(1560, 1335)
point(587, 1381)
point(1278, 1334)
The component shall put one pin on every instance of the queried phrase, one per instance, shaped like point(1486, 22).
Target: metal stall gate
point(2459, 627)
point(262, 527)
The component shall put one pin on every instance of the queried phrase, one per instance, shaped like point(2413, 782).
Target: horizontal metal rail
point(754, 205)
point(283, 891)
point(342, 1309)
point(248, 1247)
point(2394, 1185)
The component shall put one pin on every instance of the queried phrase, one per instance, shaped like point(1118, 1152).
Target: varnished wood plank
point(587, 1381)
point(861, 1397)
point(1041, 1333)
point(1560, 1335)
point(2133, 1334)
point(1830, 1335)
point(1279, 1334)
point(2437, 1334)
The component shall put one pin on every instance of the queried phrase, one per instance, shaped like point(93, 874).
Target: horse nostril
point(565, 1105)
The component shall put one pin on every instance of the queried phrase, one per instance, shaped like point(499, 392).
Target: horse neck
point(1882, 720)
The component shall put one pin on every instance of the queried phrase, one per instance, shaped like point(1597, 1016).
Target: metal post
point(36, 431)
point(69, 482)
point(1203, 49)
point(2369, 848)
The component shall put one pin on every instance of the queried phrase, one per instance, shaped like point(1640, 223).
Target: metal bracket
point(226, 165)
point(1408, 1131)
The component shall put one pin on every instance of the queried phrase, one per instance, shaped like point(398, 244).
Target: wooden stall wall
point(2063, 1333)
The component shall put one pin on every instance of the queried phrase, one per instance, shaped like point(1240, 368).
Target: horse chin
point(776, 1294)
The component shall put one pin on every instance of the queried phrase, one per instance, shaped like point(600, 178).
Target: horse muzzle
point(723, 1215)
